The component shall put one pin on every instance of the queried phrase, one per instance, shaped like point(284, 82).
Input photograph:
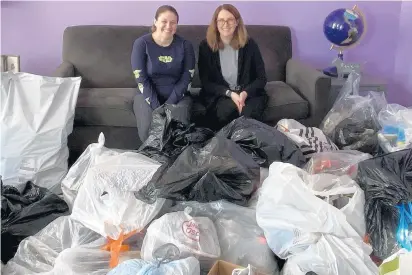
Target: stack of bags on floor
point(189, 201)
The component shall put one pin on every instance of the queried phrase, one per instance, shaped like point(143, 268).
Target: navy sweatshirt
point(163, 74)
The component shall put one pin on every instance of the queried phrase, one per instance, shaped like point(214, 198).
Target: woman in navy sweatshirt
point(231, 70)
point(163, 64)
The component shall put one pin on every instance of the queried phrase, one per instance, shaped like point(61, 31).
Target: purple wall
point(34, 30)
point(402, 75)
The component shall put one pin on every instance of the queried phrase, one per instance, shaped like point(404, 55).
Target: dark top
point(251, 75)
point(163, 74)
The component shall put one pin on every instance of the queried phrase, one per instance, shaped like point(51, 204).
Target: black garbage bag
point(26, 210)
point(219, 170)
point(264, 143)
point(170, 133)
point(387, 182)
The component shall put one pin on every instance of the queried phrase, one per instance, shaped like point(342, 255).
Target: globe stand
point(333, 70)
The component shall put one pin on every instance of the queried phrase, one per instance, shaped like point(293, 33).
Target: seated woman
point(163, 64)
point(231, 70)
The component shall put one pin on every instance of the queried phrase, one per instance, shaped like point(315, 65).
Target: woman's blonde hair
point(240, 36)
point(163, 9)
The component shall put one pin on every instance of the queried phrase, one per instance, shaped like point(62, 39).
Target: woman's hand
point(243, 96)
point(238, 101)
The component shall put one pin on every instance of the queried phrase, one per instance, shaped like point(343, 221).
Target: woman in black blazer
point(231, 70)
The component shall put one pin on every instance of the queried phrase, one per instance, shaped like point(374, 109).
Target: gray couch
point(101, 56)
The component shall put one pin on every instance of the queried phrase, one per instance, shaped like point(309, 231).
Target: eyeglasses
point(230, 22)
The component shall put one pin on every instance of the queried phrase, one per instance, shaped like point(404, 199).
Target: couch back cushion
point(101, 54)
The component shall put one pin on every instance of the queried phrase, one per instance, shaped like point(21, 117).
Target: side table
point(367, 83)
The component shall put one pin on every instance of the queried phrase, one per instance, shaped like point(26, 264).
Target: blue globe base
point(333, 72)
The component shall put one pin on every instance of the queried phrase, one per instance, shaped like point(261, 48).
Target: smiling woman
point(163, 65)
point(231, 70)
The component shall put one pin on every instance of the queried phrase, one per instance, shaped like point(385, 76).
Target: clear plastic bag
point(65, 247)
point(294, 209)
point(332, 256)
point(338, 163)
point(194, 236)
point(105, 202)
point(36, 118)
point(396, 133)
point(352, 123)
point(242, 241)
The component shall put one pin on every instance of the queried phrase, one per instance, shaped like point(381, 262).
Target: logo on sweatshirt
point(140, 86)
point(165, 59)
point(137, 73)
point(191, 230)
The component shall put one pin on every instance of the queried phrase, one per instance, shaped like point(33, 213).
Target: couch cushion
point(284, 102)
point(105, 107)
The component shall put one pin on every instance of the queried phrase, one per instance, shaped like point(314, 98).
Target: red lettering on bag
point(191, 230)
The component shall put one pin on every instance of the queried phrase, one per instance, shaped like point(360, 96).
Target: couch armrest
point(313, 86)
point(66, 69)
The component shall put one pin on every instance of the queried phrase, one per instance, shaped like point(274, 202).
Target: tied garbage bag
point(264, 143)
point(352, 123)
point(219, 170)
point(294, 208)
point(396, 133)
point(387, 182)
point(25, 210)
point(404, 232)
point(332, 256)
point(62, 247)
point(310, 140)
point(78, 171)
point(193, 236)
point(170, 133)
point(105, 202)
point(36, 118)
point(242, 241)
point(338, 163)
point(166, 262)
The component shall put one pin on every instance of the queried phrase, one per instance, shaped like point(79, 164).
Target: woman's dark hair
point(163, 9)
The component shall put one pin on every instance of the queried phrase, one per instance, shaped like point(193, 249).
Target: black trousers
point(143, 113)
point(224, 110)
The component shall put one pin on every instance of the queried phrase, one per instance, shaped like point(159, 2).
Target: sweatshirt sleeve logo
point(165, 59)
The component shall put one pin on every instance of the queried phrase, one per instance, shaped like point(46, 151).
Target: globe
point(343, 27)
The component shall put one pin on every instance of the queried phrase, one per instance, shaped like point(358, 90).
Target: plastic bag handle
point(117, 246)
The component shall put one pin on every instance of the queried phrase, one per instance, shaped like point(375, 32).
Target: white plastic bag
point(36, 118)
point(77, 172)
point(293, 217)
point(241, 240)
point(194, 236)
point(65, 247)
point(187, 266)
point(105, 202)
point(332, 256)
point(310, 140)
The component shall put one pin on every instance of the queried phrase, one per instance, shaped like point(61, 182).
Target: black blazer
point(251, 71)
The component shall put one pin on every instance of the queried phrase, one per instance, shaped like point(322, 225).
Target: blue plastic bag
point(404, 231)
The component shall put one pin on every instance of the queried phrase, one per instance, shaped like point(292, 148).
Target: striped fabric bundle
point(310, 140)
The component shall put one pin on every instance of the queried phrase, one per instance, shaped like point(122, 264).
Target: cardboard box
point(223, 268)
